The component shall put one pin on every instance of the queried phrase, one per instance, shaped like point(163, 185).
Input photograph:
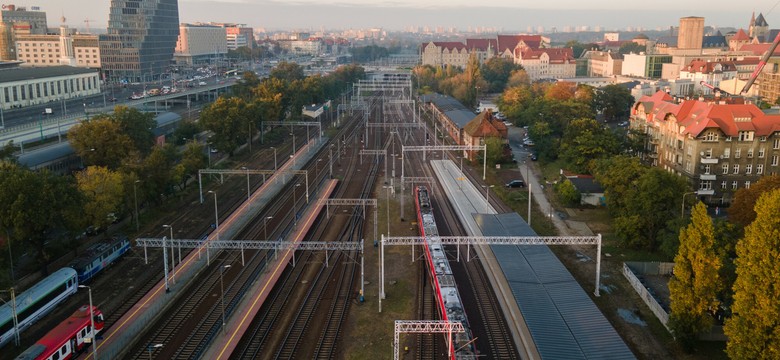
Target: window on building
point(745, 136)
point(728, 138)
point(705, 185)
point(708, 154)
point(776, 144)
point(761, 153)
point(759, 169)
point(733, 185)
point(748, 169)
point(726, 153)
point(723, 185)
point(690, 150)
point(725, 168)
point(762, 138)
point(706, 169)
point(747, 184)
point(750, 153)
point(737, 153)
point(736, 169)
point(774, 160)
point(711, 136)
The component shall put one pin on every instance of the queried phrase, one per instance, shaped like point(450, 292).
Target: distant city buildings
point(16, 21)
point(531, 51)
point(141, 39)
point(66, 48)
point(200, 44)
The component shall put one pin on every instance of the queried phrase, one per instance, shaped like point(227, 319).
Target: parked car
point(515, 183)
point(534, 157)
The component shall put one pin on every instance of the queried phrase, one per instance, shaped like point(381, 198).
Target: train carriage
point(36, 302)
point(99, 256)
point(68, 338)
point(448, 298)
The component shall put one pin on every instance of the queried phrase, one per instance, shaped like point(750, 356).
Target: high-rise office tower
point(141, 39)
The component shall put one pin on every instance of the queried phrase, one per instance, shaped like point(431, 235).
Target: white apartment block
point(199, 43)
point(67, 48)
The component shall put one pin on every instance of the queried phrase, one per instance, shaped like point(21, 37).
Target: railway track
point(426, 309)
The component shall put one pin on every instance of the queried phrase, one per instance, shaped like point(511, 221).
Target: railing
point(648, 298)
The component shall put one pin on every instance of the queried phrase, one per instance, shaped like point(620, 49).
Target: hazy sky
point(398, 14)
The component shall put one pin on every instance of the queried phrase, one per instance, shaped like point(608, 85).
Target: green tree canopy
point(631, 47)
point(585, 140)
point(614, 101)
point(39, 209)
point(496, 72)
point(696, 283)
point(287, 72)
point(754, 328)
point(138, 126)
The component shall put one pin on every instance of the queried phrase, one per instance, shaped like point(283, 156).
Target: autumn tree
point(568, 192)
point(754, 328)
point(103, 191)
point(560, 91)
point(518, 78)
point(696, 283)
point(100, 141)
point(193, 158)
point(227, 118)
point(156, 173)
point(742, 209)
point(287, 72)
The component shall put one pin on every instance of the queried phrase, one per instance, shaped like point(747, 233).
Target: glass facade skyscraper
point(141, 39)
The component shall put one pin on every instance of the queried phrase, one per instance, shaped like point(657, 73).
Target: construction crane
point(754, 75)
point(86, 21)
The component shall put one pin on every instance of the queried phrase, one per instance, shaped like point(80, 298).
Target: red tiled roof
point(759, 49)
point(481, 44)
point(509, 42)
point(450, 45)
point(707, 67)
point(696, 116)
point(556, 55)
point(485, 125)
point(741, 36)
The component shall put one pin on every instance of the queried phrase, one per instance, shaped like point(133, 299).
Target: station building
point(39, 85)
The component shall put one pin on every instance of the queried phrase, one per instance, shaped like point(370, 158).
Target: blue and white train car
point(36, 302)
point(99, 256)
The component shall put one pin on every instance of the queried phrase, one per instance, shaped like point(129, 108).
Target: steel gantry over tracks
point(425, 327)
point(491, 240)
point(248, 172)
point(443, 148)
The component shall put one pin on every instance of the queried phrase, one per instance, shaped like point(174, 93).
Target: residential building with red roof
point(457, 53)
point(553, 63)
point(710, 72)
point(718, 147)
point(482, 127)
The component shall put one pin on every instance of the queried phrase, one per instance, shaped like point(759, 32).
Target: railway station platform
point(224, 344)
point(550, 315)
point(121, 335)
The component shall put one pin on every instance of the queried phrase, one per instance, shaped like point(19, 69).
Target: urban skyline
point(402, 14)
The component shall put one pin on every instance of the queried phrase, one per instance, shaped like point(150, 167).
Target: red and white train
point(448, 299)
point(68, 338)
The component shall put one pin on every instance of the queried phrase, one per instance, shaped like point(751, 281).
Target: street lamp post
point(487, 196)
point(682, 206)
point(173, 262)
point(247, 181)
point(92, 322)
point(152, 346)
point(274, 148)
point(295, 201)
point(388, 208)
point(222, 288)
point(293, 136)
point(216, 214)
point(135, 197)
point(265, 226)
